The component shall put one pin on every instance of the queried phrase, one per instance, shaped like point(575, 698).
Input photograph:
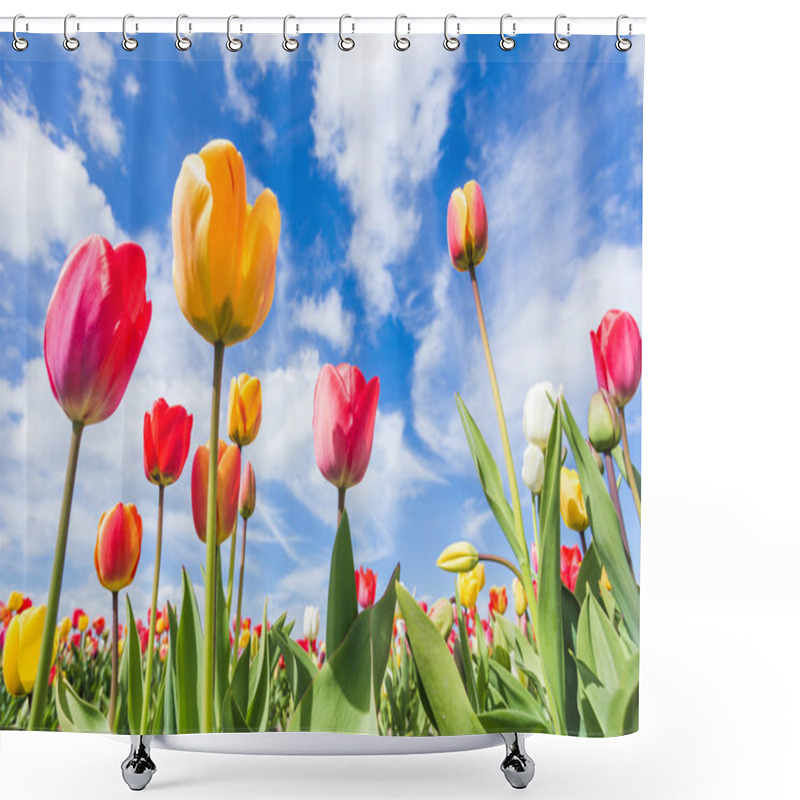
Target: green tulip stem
point(629, 466)
point(342, 492)
point(207, 704)
point(582, 534)
point(527, 585)
point(501, 420)
point(241, 585)
point(41, 689)
point(148, 675)
point(112, 700)
point(535, 523)
point(500, 560)
point(232, 562)
point(612, 490)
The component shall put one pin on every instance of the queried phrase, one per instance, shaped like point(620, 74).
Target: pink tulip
point(467, 226)
point(570, 565)
point(365, 587)
point(228, 479)
point(247, 492)
point(617, 347)
point(95, 327)
point(344, 422)
point(167, 434)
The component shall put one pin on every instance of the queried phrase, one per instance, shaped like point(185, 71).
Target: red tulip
point(228, 478)
point(365, 587)
point(167, 434)
point(26, 604)
point(95, 327)
point(344, 422)
point(76, 617)
point(617, 347)
point(467, 226)
point(118, 547)
point(99, 625)
point(570, 565)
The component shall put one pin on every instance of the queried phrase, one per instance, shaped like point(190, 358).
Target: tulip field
point(558, 650)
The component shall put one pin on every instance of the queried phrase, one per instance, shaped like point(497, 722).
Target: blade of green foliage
point(491, 481)
point(589, 575)
point(299, 666)
point(482, 676)
point(121, 718)
point(570, 613)
point(135, 679)
point(342, 599)
point(170, 693)
point(222, 646)
point(75, 714)
point(605, 527)
point(240, 682)
point(549, 625)
point(345, 695)
point(619, 458)
point(623, 709)
point(189, 657)
point(526, 657)
point(444, 690)
point(157, 722)
point(598, 645)
point(503, 720)
point(233, 720)
point(258, 708)
point(516, 696)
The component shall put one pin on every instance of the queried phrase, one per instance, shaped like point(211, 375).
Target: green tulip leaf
point(599, 646)
point(463, 655)
point(266, 659)
point(570, 613)
point(222, 649)
point(299, 666)
point(188, 658)
point(604, 522)
point(342, 598)
point(240, 682)
point(503, 720)
point(345, 696)
point(75, 714)
point(446, 698)
point(515, 696)
point(135, 679)
point(491, 481)
point(549, 626)
point(170, 692)
point(619, 458)
point(589, 575)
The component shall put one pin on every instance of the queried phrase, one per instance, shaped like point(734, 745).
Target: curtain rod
point(300, 25)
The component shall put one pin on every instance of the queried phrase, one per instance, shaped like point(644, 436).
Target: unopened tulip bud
point(533, 468)
point(311, 623)
point(441, 614)
point(247, 492)
point(467, 226)
point(605, 428)
point(458, 557)
point(573, 508)
point(538, 412)
point(520, 598)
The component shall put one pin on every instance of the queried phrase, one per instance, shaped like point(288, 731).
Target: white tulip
point(311, 623)
point(537, 414)
point(533, 468)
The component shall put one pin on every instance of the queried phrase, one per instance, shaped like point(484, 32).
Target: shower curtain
point(320, 402)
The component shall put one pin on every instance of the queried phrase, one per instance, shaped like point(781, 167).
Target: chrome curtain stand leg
point(138, 768)
point(517, 766)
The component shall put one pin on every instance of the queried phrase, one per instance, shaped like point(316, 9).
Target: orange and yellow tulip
point(228, 478)
point(118, 547)
point(23, 643)
point(244, 409)
point(467, 226)
point(225, 249)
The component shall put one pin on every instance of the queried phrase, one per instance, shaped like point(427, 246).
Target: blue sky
point(362, 150)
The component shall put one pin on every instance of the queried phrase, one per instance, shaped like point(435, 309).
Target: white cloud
point(634, 64)
point(96, 65)
point(326, 317)
point(378, 121)
point(47, 199)
point(131, 87)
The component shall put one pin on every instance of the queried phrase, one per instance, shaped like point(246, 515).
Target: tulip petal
point(477, 223)
point(457, 230)
point(362, 433)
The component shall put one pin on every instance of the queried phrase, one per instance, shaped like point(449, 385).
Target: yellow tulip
point(244, 409)
point(83, 622)
point(470, 584)
point(244, 639)
point(573, 509)
point(14, 601)
point(605, 583)
point(520, 598)
point(225, 249)
point(458, 557)
point(64, 628)
point(21, 651)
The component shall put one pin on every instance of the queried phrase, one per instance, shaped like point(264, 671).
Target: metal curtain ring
point(182, 42)
point(401, 42)
point(451, 42)
point(233, 44)
point(560, 43)
point(622, 44)
point(289, 44)
point(18, 43)
point(345, 42)
point(507, 42)
point(128, 42)
point(70, 42)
